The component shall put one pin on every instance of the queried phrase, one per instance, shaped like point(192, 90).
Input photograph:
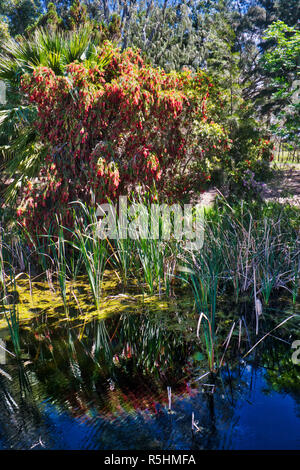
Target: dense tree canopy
point(20, 13)
point(282, 64)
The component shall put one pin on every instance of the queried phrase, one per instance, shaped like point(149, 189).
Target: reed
point(253, 254)
point(295, 282)
point(151, 257)
point(12, 319)
point(92, 250)
point(11, 313)
point(60, 260)
point(123, 257)
point(204, 270)
point(265, 242)
point(2, 266)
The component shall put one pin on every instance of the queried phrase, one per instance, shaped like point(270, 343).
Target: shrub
point(115, 123)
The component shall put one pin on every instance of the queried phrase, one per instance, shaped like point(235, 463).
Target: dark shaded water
point(134, 382)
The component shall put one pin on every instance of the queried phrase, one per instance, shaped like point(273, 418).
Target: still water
point(141, 382)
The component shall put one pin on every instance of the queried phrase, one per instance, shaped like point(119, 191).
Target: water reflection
point(104, 385)
point(21, 422)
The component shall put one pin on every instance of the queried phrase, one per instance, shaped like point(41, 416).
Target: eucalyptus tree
point(20, 13)
point(4, 30)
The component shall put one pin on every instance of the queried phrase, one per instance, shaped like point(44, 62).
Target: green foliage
point(96, 117)
point(20, 147)
point(49, 20)
point(4, 29)
point(20, 13)
point(283, 57)
point(222, 37)
point(92, 249)
point(62, 6)
point(77, 16)
point(74, 18)
point(281, 62)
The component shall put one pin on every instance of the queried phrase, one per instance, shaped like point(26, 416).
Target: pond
point(140, 381)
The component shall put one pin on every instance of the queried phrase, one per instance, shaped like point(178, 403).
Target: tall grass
point(123, 255)
point(248, 252)
point(244, 253)
point(92, 250)
point(151, 258)
point(265, 244)
point(12, 318)
point(147, 258)
point(11, 313)
point(60, 261)
point(205, 269)
point(295, 277)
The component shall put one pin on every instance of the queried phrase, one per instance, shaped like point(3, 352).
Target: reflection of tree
point(114, 376)
point(281, 374)
point(120, 366)
point(138, 355)
point(21, 424)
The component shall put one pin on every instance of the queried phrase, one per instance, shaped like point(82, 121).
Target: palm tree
point(22, 151)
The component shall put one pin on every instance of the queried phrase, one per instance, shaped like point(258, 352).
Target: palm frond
point(23, 160)
point(19, 142)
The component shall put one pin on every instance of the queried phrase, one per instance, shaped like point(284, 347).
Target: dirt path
point(285, 188)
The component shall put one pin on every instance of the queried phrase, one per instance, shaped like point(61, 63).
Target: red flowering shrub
point(115, 124)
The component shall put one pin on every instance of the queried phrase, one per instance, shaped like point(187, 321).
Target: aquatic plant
point(60, 261)
point(203, 274)
point(12, 318)
point(11, 313)
point(92, 249)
